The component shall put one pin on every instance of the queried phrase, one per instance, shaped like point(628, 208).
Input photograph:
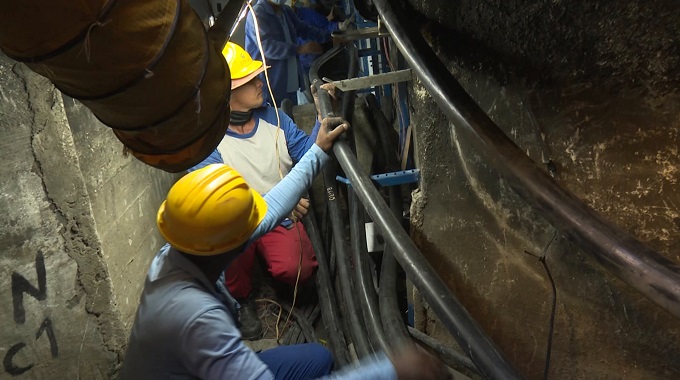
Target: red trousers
point(280, 249)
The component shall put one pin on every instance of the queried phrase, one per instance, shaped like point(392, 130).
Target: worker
point(184, 326)
point(312, 13)
point(255, 147)
point(315, 14)
point(279, 29)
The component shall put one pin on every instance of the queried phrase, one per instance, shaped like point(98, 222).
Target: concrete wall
point(76, 231)
point(614, 141)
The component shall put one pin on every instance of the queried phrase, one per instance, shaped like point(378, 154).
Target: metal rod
point(374, 80)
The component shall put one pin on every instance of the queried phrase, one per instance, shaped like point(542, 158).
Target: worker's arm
point(296, 139)
point(282, 198)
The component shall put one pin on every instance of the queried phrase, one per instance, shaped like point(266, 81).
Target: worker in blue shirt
point(184, 326)
point(279, 29)
point(313, 14)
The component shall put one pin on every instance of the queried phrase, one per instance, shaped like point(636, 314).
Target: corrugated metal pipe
point(147, 69)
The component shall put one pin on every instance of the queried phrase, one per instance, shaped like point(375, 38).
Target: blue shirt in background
point(277, 49)
point(316, 19)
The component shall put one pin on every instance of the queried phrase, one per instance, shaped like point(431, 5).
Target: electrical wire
point(278, 155)
point(553, 308)
point(269, 87)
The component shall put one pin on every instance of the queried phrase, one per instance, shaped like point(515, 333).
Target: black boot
point(248, 321)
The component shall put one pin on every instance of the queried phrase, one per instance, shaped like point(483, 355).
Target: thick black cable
point(450, 357)
point(351, 311)
point(327, 299)
point(635, 263)
point(368, 298)
point(305, 326)
point(392, 321)
point(352, 315)
point(311, 317)
point(293, 333)
point(486, 355)
point(363, 279)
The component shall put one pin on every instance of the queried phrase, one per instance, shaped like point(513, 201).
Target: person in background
point(255, 147)
point(279, 29)
point(312, 13)
point(185, 328)
point(319, 16)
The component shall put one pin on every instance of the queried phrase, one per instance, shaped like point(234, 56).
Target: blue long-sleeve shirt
point(315, 19)
point(184, 328)
point(277, 50)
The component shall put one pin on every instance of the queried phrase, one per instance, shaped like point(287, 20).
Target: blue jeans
point(298, 362)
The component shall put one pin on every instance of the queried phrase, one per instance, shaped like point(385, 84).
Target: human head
point(246, 88)
point(210, 211)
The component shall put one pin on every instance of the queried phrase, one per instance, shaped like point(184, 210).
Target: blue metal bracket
point(390, 179)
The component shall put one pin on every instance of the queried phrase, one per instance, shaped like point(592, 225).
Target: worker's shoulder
point(177, 297)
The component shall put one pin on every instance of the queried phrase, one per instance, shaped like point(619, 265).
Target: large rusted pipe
point(144, 68)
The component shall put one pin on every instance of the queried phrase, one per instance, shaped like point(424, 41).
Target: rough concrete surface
point(78, 230)
point(59, 321)
point(614, 147)
point(125, 195)
point(622, 43)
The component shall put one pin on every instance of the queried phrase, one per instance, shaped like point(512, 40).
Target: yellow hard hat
point(210, 211)
point(242, 66)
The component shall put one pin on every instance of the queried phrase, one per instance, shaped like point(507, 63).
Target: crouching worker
point(185, 327)
point(263, 154)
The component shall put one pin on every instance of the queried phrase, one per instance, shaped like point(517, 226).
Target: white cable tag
point(374, 241)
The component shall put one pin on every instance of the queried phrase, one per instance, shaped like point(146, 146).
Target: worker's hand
point(331, 14)
point(345, 24)
point(414, 364)
point(301, 209)
point(330, 87)
point(331, 129)
point(311, 47)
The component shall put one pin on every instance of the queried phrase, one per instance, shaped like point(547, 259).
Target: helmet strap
point(240, 118)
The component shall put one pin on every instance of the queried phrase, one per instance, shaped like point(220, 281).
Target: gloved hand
point(345, 24)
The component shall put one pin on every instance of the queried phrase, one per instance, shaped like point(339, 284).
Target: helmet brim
point(238, 82)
